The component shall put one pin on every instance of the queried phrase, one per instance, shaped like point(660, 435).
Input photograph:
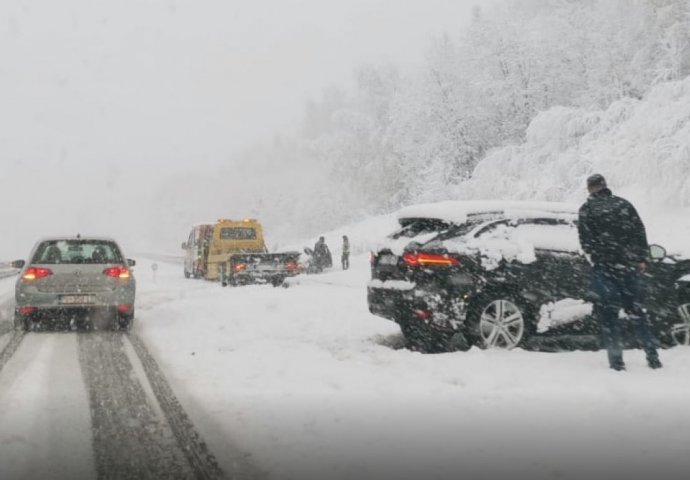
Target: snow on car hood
point(515, 243)
point(397, 245)
point(458, 211)
point(567, 310)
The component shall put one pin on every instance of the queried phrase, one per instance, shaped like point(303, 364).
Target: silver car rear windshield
point(53, 252)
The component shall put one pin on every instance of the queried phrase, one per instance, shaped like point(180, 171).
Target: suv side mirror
point(184, 246)
point(657, 252)
point(131, 262)
point(18, 264)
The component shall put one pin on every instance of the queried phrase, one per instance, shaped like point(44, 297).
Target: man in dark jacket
point(345, 257)
point(614, 239)
point(322, 254)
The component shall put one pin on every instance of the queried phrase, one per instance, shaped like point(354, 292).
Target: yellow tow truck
point(234, 252)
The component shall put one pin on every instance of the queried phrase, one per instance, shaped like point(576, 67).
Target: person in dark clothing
point(322, 254)
point(614, 239)
point(345, 257)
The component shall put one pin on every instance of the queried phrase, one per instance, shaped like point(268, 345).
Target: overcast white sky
point(180, 80)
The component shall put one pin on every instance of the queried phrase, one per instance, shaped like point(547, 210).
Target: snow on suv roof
point(458, 211)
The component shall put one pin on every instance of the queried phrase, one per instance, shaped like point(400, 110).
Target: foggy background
point(109, 108)
point(141, 118)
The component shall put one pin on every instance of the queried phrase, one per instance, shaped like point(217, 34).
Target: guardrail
point(162, 257)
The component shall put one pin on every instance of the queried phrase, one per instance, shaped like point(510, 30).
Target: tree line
point(397, 138)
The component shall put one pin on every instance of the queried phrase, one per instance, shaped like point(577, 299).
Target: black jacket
point(611, 231)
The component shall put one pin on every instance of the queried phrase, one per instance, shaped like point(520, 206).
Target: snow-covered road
point(44, 414)
point(302, 383)
point(80, 405)
point(92, 405)
point(311, 385)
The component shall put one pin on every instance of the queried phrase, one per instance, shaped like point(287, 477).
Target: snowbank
point(642, 147)
point(310, 385)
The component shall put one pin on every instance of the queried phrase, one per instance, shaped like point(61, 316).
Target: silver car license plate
point(77, 299)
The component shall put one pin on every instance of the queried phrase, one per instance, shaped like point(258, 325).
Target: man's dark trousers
point(618, 288)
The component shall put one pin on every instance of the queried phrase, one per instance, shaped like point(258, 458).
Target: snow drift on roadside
point(642, 147)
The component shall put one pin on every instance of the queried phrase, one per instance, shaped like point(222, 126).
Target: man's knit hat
point(596, 180)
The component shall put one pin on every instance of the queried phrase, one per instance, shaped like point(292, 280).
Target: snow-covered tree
point(397, 138)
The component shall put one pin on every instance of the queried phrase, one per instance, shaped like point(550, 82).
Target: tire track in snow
point(198, 455)
point(5, 327)
point(11, 347)
point(6, 306)
point(131, 440)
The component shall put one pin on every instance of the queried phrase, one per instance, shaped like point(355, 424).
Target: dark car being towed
point(508, 274)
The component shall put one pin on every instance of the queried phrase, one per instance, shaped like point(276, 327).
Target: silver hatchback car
point(82, 281)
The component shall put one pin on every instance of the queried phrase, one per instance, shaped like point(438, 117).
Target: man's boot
point(653, 360)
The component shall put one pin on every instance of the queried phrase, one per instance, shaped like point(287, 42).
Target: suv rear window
point(419, 226)
point(77, 251)
point(456, 231)
point(541, 233)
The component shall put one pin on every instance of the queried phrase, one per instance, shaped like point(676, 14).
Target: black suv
point(508, 275)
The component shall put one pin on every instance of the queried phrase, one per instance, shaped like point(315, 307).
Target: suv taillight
point(34, 273)
point(117, 272)
point(429, 259)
